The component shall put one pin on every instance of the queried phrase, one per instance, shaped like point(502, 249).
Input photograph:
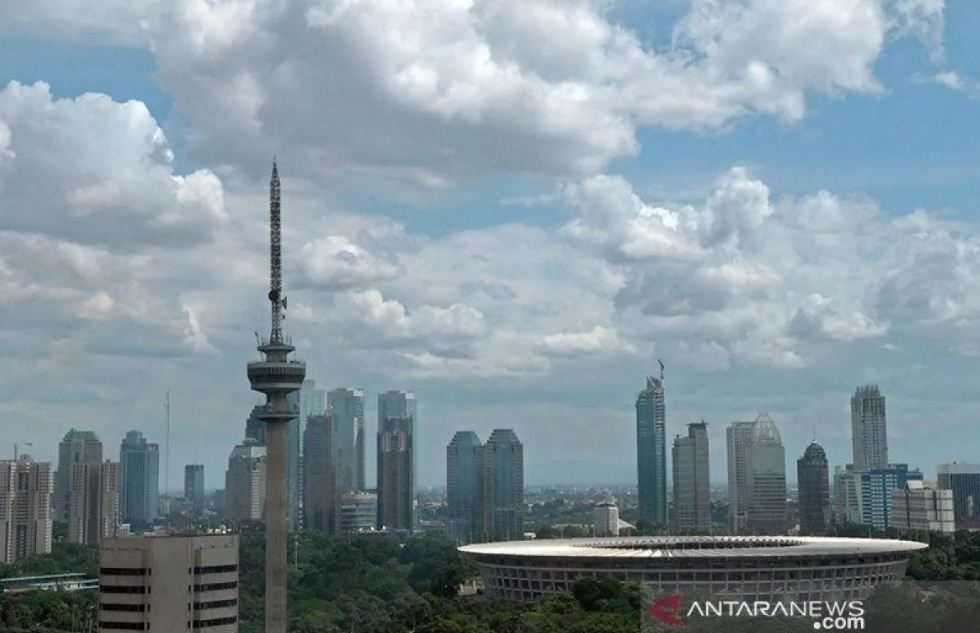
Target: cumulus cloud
point(335, 262)
point(598, 340)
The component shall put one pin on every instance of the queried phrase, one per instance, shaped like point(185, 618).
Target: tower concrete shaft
point(276, 376)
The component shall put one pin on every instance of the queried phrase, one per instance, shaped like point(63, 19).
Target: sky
point(511, 209)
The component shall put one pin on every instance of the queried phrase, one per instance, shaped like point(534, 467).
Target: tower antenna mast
point(276, 298)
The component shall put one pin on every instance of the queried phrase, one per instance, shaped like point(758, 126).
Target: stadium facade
point(775, 569)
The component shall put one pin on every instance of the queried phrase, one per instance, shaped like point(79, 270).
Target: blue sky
point(778, 199)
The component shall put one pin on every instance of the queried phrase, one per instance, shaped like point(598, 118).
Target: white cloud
point(335, 262)
point(598, 340)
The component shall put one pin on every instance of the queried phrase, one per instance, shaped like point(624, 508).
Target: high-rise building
point(139, 472)
point(847, 502)
point(357, 512)
point(692, 487)
point(605, 519)
point(169, 583)
point(651, 446)
point(254, 426)
point(26, 488)
point(767, 479)
point(94, 513)
point(738, 437)
point(319, 475)
point(194, 487)
point(869, 429)
point(464, 487)
point(503, 486)
point(346, 409)
point(919, 507)
point(277, 377)
point(397, 426)
point(877, 487)
point(77, 447)
point(964, 481)
point(245, 482)
point(813, 477)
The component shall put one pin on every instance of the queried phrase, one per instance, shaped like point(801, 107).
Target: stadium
point(747, 568)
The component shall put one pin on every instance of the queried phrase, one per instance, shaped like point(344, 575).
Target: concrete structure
point(738, 438)
point(276, 376)
point(139, 475)
point(245, 483)
point(346, 408)
point(503, 486)
point(813, 479)
point(918, 507)
point(169, 583)
point(357, 512)
point(26, 488)
point(94, 513)
point(846, 502)
point(194, 487)
point(964, 481)
point(464, 487)
point(725, 568)
point(319, 476)
point(651, 447)
point(294, 462)
point(77, 447)
point(692, 487)
point(877, 487)
point(74, 581)
point(397, 413)
point(869, 428)
point(767, 479)
point(605, 519)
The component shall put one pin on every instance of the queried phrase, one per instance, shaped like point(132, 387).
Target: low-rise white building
point(918, 507)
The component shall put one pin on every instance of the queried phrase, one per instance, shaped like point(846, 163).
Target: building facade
point(503, 486)
point(964, 481)
point(605, 519)
point(26, 489)
point(396, 460)
point(319, 475)
point(738, 439)
point(194, 487)
point(813, 477)
point(651, 446)
point(94, 513)
point(692, 477)
point(346, 409)
point(877, 487)
point(869, 428)
point(169, 583)
point(464, 487)
point(918, 507)
point(139, 472)
point(357, 512)
point(77, 447)
point(245, 483)
point(767, 479)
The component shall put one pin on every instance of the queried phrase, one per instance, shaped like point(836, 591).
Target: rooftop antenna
point(661, 369)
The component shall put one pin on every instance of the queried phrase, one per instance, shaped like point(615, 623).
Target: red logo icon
point(667, 610)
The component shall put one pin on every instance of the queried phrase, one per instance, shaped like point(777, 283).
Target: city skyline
point(505, 253)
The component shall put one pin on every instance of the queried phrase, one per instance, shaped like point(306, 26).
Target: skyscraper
point(397, 411)
point(869, 429)
point(738, 437)
point(276, 376)
point(877, 487)
point(319, 476)
point(503, 486)
point(139, 473)
point(77, 447)
point(194, 487)
point(692, 488)
point(94, 513)
point(651, 446)
point(813, 477)
point(254, 426)
point(846, 501)
point(464, 486)
point(26, 487)
point(767, 479)
point(245, 482)
point(346, 409)
point(964, 481)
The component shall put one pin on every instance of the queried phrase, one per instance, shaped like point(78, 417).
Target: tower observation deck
point(276, 376)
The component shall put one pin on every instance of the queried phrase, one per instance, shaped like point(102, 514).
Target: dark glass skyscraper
point(139, 473)
point(464, 486)
point(813, 477)
point(396, 460)
point(194, 487)
point(692, 489)
point(651, 447)
point(503, 486)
